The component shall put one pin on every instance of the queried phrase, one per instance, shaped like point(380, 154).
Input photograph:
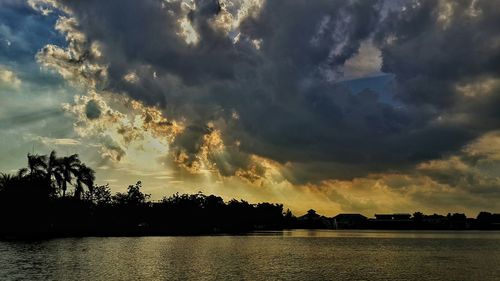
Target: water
point(287, 255)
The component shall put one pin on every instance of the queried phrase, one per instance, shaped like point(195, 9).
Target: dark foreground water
point(288, 255)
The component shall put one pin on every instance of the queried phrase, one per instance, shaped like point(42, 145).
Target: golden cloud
point(8, 78)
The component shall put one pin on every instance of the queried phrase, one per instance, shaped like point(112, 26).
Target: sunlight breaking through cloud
point(358, 105)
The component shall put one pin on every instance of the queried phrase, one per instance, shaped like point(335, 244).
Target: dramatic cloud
point(273, 64)
point(268, 92)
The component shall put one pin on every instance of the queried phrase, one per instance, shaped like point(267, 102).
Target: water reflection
point(287, 255)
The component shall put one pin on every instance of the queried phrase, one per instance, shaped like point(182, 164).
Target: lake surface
point(283, 255)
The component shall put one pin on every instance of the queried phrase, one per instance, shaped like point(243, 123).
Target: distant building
point(312, 220)
point(347, 221)
point(392, 217)
point(391, 221)
point(311, 215)
point(401, 217)
point(383, 217)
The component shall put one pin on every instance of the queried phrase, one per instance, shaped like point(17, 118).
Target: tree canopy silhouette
point(57, 196)
point(35, 201)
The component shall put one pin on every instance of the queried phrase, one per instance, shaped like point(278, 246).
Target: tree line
point(57, 196)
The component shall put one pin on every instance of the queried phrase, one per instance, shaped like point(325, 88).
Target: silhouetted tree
point(36, 164)
point(28, 204)
point(133, 197)
point(418, 217)
point(84, 176)
point(52, 171)
point(7, 180)
point(68, 167)
point(21, 173)
point(99, 195)
point(4, 178)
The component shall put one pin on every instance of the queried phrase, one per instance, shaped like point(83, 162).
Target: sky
point(347, 106)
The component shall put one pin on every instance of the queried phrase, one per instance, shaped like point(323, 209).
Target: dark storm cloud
point(142, 37)
point(435, 47)
point(436, 44)
point(279, 75)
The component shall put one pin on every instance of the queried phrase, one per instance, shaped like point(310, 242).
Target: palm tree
point(7, 180)
point(37, 164)
point(50, 165)
point(85, 176)
point(21, 173)
point(66, 168)
point(52, 170)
